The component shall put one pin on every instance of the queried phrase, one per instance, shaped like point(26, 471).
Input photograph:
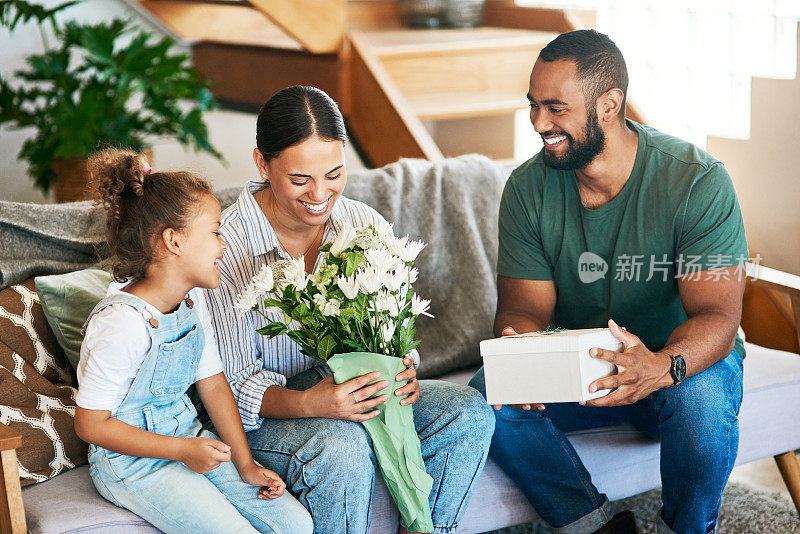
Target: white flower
point(413, 273)
point(290, 272)
point(384, 230)
point(247, 300)
point(367, 237)
point(387, 330)
point(411, 250)
point(349, 286)
point(263, 281)
point(396, 245)
point(344, 240)
point(386, 302)
point(381, 259)
point(419, 306)
point(396, 281)
point(370, 280)
point(330, 308)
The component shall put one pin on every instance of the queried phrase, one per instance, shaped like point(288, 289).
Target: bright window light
point(690, 63)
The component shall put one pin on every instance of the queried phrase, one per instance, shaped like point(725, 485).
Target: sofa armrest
point(771, 308)
point(12, 512)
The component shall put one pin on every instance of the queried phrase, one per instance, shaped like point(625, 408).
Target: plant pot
point(72, 180)
point(394, 437)
point(422, 13)
point(464, 13)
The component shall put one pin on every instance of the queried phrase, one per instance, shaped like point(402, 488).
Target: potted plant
point(97, 85)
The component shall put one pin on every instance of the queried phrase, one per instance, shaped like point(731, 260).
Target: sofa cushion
point(67, 300)
point(70, 503)
point(37, 399)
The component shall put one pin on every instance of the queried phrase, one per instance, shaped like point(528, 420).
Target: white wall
point(766, 171)
point(231, 132)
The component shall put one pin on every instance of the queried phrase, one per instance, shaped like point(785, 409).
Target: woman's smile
point(316, 209)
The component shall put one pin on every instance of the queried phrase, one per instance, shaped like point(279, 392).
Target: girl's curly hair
point(140, 206)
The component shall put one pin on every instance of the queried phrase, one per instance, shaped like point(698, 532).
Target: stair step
point(454, 73)
point(230, 22)
point(405, 42)
point(457, 106)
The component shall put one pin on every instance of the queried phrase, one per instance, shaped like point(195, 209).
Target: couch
point(452, 205)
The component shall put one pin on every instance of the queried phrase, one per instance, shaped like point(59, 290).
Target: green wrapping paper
point(394, 438)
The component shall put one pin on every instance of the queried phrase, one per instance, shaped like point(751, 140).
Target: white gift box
point(546, 366)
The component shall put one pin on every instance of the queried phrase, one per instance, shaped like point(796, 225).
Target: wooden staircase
point(403, 92)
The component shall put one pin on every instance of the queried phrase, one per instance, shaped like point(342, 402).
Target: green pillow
point(67, 300)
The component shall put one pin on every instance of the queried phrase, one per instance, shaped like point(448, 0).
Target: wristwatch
point(677, 368)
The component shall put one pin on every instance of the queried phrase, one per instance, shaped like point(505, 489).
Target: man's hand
point(639, 371)
point(508, 331)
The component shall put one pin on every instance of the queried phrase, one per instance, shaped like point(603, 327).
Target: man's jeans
point(696, 423)
point(329, 463)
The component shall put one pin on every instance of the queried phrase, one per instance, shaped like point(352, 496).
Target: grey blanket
point(451, 205)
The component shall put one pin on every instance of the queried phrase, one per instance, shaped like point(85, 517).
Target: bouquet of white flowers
point(357, 315)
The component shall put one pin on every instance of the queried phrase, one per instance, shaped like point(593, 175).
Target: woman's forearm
point(282, 403)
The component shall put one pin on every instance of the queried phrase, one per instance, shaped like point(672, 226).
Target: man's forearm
point(520, 322)
point(703, 340)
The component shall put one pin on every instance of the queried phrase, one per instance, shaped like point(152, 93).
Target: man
point(614, 223)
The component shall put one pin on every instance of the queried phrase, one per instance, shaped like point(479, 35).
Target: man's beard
point(578, 154)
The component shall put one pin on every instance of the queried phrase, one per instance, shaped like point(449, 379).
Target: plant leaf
point(273, 330)
point(352, 262)
point(326, 346)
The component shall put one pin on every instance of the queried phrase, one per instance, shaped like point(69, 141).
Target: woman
point(313, 438)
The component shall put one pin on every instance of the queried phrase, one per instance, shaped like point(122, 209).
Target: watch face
point(679, 368)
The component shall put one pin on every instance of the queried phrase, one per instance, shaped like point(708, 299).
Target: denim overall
point(164, 492)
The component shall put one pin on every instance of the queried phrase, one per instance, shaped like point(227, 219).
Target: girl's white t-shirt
point(116, 344)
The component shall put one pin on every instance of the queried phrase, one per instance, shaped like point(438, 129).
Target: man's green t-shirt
point(676, 215)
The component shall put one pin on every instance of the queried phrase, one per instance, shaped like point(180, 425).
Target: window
point(690, 63)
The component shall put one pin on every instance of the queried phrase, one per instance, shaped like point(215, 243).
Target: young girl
point(145, 344)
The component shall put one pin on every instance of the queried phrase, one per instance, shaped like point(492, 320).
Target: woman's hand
point(346, 400)
point(410, 390)
point(203, 455)
point(270, 483)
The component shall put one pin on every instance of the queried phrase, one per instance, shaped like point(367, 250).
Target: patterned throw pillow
point(37, 397)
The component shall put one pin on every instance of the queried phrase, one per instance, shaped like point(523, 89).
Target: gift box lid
point(578, 340)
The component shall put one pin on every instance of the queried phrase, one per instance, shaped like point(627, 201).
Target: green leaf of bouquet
point(270, 302)
point(326, 346)
point(272, 330)
point(297, 336)
point(352, 262)
point(353, 345)
point(300, 311)
point(326, 247)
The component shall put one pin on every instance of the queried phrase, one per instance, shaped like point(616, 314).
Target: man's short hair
point(600, 64)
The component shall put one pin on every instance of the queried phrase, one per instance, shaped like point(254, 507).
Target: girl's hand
point(270, 483)
point(203, 455)
point(346, 400)
point(411, 390)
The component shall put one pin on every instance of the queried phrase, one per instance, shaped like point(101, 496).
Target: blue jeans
point(176, 499)
point(696, 423)
point(330, 466)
